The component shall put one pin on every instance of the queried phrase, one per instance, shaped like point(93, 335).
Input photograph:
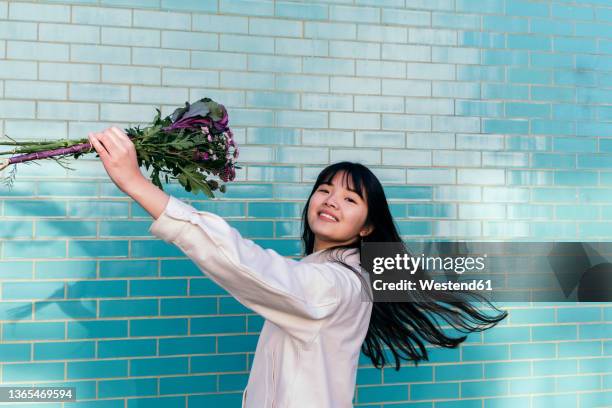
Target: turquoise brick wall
point(485, 119)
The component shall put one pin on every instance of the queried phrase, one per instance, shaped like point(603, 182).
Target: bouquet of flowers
point(192, 144)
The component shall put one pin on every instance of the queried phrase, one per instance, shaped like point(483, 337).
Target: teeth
point(328, 216)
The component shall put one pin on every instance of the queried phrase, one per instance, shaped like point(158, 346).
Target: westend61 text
point(430, 284)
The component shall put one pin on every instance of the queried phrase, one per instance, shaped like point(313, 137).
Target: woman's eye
point(323, 190)
point(350, 200)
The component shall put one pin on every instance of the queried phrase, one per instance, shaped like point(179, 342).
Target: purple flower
point(221, 124)
point(199, 108)
point(200, 156)
point(204, 112)
point(189, 123)
point(228, 173)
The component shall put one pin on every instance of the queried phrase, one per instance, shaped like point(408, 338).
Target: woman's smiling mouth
point(327, 217)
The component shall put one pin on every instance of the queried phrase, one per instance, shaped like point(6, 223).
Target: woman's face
point(336, 215)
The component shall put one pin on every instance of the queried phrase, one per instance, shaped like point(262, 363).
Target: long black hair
point(403, 327)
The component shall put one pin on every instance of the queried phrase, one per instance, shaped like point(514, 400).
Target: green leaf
point(145, 156)
point(151, 131)
point(195, 180)
point(182, 143)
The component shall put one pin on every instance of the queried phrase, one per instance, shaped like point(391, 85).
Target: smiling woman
point(337, 213)
point(316, 317)
point(353, 196)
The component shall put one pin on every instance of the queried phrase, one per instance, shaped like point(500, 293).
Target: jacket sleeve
point(295, 296)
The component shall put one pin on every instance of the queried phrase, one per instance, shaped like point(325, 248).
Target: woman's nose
point(331, 201)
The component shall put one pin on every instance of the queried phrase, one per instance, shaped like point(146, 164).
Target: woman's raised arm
point(295, 296)
point(149, 196)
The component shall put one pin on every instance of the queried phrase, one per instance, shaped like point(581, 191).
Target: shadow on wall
point(81, 315)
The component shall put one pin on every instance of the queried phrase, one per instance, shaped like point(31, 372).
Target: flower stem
point(77, 148)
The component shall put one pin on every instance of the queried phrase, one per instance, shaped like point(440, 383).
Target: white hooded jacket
point(316, 314)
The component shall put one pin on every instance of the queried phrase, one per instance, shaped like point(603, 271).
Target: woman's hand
point(118, 156)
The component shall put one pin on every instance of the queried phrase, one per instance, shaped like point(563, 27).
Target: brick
point(39, 12)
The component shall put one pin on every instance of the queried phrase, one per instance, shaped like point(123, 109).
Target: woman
point(316, 317)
